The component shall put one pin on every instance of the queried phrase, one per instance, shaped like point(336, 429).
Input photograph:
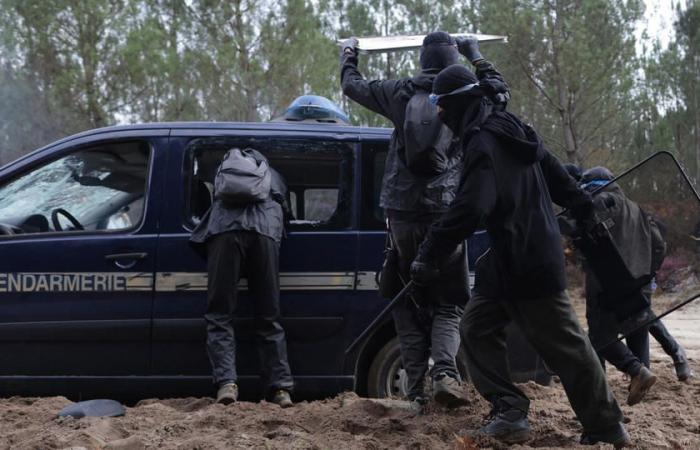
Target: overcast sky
point(659, 19)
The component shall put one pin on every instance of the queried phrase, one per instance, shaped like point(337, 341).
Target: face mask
point(451, 120)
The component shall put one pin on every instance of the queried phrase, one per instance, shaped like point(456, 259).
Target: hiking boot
point(617, 436)
point(507, 425)
point(680, 362)
point(448, 392)
point(227, 394)
point(640, 385)
point(282, 398)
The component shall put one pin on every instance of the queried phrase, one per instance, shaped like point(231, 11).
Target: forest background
point(599, 86)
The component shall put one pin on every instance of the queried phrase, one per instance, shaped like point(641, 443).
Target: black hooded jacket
point(401, 189)
point(508, 185)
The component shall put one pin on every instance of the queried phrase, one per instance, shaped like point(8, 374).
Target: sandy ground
point(668, 419)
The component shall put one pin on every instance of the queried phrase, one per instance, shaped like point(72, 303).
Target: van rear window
point(318, 175)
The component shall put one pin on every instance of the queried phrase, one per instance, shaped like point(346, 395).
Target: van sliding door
point(318, 260)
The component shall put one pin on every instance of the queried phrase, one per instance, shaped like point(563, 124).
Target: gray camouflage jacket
point(266, 217)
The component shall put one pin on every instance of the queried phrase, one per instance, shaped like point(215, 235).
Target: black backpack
point(427, 139)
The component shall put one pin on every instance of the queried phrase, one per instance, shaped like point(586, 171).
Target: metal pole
point(649, 322)
point(380, 317)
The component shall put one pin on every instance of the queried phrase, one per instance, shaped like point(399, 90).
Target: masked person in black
point(243, 238)
point(509, 182)
point(631, 230)
point(427, 322)
point(638, 236)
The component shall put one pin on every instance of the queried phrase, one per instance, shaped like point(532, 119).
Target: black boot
point(680, 361)
point(617, 436)
point(640, 385)
point(507, 424)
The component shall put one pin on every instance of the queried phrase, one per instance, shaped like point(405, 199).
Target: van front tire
point(387, 378)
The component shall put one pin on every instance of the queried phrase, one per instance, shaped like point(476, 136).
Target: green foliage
point(68, 65)
point(674, 78)
point(571, 66)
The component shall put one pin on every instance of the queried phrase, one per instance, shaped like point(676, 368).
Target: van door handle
point(118, 259)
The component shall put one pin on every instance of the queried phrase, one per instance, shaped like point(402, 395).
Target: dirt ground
point(669, 418)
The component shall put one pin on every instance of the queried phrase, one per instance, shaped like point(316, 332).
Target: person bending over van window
point(420, 180)
point(509, 182)
point(242, 233)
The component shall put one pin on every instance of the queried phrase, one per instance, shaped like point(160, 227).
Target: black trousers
point(659, 331)
point(550, 325)
point(603, 328)
point(427, 321)
point(229, 255)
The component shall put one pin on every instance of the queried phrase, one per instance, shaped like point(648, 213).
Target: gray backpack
point(428, 140)
point(242, 178)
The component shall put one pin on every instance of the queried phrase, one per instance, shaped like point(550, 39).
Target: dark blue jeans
point(431, 332)
point(427, 321)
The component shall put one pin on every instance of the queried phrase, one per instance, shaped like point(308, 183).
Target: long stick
point(380, 317)
point(649, 322)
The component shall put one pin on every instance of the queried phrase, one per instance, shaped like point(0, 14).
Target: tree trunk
point(88, 41)
point(565, 108)
point(695, 89)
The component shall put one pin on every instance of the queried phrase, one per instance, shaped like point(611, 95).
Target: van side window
point(373, 162)
point(318, 174)
point(100, 188)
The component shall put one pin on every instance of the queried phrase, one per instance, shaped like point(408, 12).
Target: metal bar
point(381, 44)
point(380, 317)
point(649, 322)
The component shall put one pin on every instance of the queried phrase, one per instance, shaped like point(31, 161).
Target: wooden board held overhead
point(412, 42)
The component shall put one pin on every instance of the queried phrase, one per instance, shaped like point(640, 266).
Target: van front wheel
point(387, 377)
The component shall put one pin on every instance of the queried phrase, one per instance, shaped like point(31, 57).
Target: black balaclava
point(461, 112)
point(439, 50)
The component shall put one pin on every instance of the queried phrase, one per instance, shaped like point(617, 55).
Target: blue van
point(101, 294)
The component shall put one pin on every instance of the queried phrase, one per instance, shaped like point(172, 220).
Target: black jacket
point(401, 189)
point(508, 184)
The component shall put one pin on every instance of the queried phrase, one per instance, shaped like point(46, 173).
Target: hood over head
point(472, 108)
point(461, 112)
point(439, 50)
point(595, 177)
point(520, 138)
point(453, 78)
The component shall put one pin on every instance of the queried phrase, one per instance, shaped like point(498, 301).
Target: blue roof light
point(314, 107)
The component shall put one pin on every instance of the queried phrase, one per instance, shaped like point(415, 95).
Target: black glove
point(469, 47)
point(349, 46)
point(423, 273)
